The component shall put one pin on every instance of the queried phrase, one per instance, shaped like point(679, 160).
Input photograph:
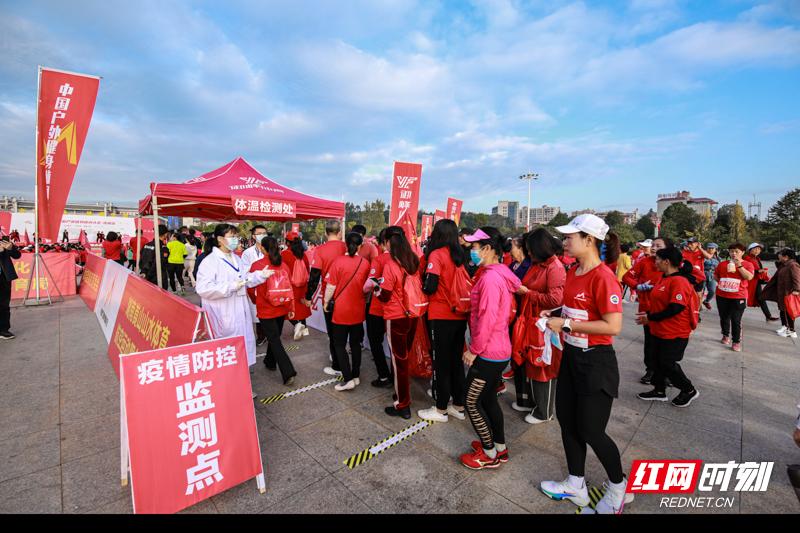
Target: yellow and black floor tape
point(283, 395)
point(292, 347)
point(595, 495)
point(392, 440)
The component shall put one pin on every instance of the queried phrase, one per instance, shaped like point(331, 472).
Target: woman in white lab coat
point(222, 283)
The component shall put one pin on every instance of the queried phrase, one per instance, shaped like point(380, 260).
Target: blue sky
point(610, 102)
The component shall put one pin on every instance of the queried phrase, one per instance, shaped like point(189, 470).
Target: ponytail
point(612, 248)
point(270, 244)
point(353, 241)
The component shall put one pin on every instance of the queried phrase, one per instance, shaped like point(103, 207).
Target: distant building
point(539, 215)
point(701, 206)
point(582, 212)
point(20, 205)
point(506, 208)
point(627, 217)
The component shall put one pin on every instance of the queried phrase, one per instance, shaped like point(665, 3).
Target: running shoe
point(606, 505)
point(653, 395)
point(298, 331)
point(7, 335)
point(736, 347)
point(707, 305)
point(331, 372)
point(393, 411)
point(515, 406)
point(501, 389)
point(530, 419)
point(432, 414)
point(725, 340)
point(350, 385)
point(452, 411)
point(773, 319)
point(382, 383)
point(647, 378)
point(781, 331)
point(478, 460)
point(562, 490)
point(509, 374)
point(685, 398)
point(788, 333)
point(502, 456)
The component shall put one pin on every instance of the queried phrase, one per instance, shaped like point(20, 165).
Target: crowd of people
point(533, 309)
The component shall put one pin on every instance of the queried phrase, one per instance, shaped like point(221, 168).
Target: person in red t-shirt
point(642, 277)
point(290, 255)
point(588, 380)
point(368, 250)
point(321, 262)
point(696, 255)
point(732, 278)
point(400, 327)
point(670, 321)
point(345, 288)
point(446, 327)
point(756, 285)
point(376, 325)
point(112, 248)
point(270, 315)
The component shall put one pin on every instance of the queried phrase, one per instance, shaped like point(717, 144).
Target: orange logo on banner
point(69, 135)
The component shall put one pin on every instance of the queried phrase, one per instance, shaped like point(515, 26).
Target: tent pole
point(138, 237)
point(36, 228)
point(157, 239)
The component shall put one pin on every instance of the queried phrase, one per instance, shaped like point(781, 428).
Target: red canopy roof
point(237, 191)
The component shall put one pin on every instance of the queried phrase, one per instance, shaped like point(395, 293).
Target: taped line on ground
point(292, 347)
point(365, 455)
point(595, 495)
point(283, 395)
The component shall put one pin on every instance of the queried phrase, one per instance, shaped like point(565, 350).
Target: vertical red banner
point(439, 215)
point(92, 277)
point(427, 227)
point(454, 209)
point(64, 110)
point(296, 227)
point(406, 178)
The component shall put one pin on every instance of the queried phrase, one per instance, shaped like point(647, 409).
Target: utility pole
point(530, 176)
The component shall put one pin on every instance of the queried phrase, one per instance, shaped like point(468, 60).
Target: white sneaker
point(519, 408)
point(357, 380)
point(793, 334)
point(562, 490)
point(530, 419)
point(455, 413)
point(331, 372)
point(788, 333)
point(305, 331)
point(298, 331)
point(432, 415)
point(781, 331)
point(350, 385)
point(608, 503)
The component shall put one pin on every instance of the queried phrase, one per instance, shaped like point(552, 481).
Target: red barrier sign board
point(61, 266)
point(188, 424)
point(90, 282)
point(150, 318)
point(454, 209)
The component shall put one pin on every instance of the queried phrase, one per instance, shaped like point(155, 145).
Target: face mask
point(475, 256)
point(232, 242)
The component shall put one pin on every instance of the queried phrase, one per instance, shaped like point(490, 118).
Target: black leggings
point(331, 346)
point(668, 353)
point(786, 321)
point(376, 331)
point(730, 316)
point(175, 271)
point(649, 351)
point(587, 385)
point(447, 351)
point(481, 404)
point(340, 334)
point(762, 303)
point(276, 353)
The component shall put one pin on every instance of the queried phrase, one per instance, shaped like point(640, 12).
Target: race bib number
point(729, 284)
point(579, 340)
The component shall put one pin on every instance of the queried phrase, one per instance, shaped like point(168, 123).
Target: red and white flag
point(439, 215)
point(26, 241)
point(427, 227)
point(406, 178)
point(65, 107)
point(454, 209)
point(83, 239)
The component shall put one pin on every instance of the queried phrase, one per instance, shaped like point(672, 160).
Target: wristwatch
point(566, 327)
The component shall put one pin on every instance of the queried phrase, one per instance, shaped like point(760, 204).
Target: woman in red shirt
point(446, 326)
point(542, 289)
point(642, 277)
point(670, 319)
point(376, 325)
point(732, 279)
point(274, 302)
point(290, 255)
point(588, 379)
point(344, 286)
point(400, 327)
point(760, 278)
point(112, 248)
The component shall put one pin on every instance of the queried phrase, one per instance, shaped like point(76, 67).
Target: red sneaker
point(725, 340)
point(509, 374)
point(503, 456)
point(479, 460)
point(501, 389)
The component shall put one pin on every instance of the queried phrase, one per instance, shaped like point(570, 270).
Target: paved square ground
point(59, 437)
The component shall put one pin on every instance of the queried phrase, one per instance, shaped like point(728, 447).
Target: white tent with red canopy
point(234, 191)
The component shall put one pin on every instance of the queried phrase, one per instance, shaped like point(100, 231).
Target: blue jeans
point(711, 286)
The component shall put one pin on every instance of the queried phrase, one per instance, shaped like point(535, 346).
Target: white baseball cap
point(754, 245)
point(647, 243)
point(587, 223)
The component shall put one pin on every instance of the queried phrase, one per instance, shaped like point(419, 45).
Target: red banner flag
point(439, 215)
point(406, 178)
point(427, 227)
point(26, 241)
point(454, 209)
point(83, 239)
point(65, 107)
point(296, 227)
point(189, 422)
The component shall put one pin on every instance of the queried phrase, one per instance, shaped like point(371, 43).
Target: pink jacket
point(492, 298)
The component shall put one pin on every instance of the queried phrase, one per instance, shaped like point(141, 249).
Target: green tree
point(628, 233)
point(738, 228)
point(783, 219)
point(559, 220)
point(373, 216)
point(646, 226)
point(614, 219)
point(679, 222)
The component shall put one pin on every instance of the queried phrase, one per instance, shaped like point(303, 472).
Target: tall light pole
point(530, 176)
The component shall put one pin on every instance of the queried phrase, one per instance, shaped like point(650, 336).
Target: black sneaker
point(647, 379)
point(382, 383)
point(653, 395)
point(7, 335)
point(685, 398)
point(403, 413)
point(260, 341)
